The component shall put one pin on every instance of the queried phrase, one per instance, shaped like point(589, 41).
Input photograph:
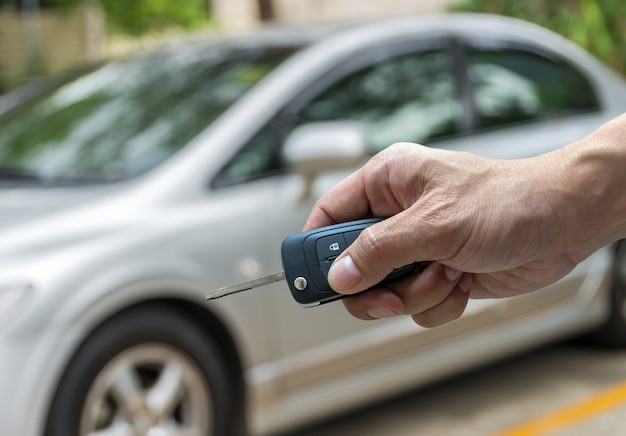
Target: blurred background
point(41, 37)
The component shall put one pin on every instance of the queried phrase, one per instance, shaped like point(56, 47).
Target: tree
point(596, 25)
point(136, 17)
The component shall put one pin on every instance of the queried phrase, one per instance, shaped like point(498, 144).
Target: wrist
point(591, 186)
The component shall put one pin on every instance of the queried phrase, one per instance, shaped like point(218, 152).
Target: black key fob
point(307, 258)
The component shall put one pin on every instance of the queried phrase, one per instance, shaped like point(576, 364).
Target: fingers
point(448, 310)
point(437, 295)
point(423, 226)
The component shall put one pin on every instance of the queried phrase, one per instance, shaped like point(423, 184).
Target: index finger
point(347, 201)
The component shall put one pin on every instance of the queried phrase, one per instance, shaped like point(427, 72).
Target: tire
point(147, 368)
point(613, 332)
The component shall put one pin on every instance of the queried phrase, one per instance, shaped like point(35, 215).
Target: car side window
point(407, 97)
point(411, 97)
point(514, 86)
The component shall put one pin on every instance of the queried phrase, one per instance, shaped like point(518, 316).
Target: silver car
point(130, 190)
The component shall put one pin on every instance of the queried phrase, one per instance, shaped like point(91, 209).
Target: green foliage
point(136, 17)
point(596, 25)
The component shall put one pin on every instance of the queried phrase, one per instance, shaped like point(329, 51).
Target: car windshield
point(126, 117)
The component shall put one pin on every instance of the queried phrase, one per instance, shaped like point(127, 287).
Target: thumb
point(377, 251)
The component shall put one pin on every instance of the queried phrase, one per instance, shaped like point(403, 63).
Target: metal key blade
point(250, 284)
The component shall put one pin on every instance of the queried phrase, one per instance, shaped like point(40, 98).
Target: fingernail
point(344, 274)
point(465, 283)
point(379, 312)
point(452, 274)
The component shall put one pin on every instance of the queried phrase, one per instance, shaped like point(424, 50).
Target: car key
point(307, 258)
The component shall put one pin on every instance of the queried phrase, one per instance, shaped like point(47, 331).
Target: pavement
point(561, 390)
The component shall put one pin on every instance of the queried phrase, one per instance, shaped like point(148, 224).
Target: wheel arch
point(209, 323)
point(612, 333)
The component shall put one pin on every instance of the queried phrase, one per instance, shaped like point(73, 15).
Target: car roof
point(461, 24)
point(474, 26)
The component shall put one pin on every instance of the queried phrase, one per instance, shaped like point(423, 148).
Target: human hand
point(489, 228)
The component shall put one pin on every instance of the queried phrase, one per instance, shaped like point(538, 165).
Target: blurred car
point(129, 191)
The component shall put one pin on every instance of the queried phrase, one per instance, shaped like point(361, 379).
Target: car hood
point(24, 204)
point(32, 221)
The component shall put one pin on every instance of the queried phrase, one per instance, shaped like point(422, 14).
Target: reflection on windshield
point(126, 117)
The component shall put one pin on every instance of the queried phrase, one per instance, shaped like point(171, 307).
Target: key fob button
point(351, 237)
point(330, 246)
point(325, 267)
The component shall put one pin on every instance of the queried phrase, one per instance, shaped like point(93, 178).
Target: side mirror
point(316, 147)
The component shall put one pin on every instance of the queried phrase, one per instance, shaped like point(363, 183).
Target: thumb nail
point(344, 274)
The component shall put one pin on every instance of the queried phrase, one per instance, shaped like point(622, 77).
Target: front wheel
point(148, 370)
point(613, 332)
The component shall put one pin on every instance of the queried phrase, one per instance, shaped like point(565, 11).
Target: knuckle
point(401, 147)
point(395, 152)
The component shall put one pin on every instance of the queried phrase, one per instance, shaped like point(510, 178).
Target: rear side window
point(514, 86)
point(410, 97)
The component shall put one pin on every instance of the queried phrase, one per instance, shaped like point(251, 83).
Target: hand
point(486, 228)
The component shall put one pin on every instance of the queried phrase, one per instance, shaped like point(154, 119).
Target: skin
point(478, 227)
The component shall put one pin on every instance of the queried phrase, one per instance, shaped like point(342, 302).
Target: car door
point(414, 91)
point(404, 92)
point(527, 101)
